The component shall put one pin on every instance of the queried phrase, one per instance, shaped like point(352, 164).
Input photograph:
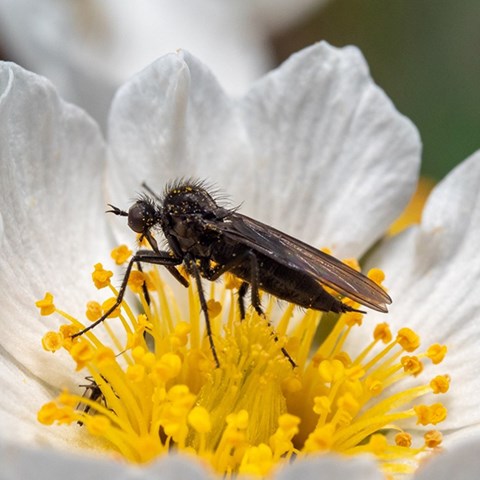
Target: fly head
point(143, 215)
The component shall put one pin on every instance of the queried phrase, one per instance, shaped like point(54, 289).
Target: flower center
point(152, 384)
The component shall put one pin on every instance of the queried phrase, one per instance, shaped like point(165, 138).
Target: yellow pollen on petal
point(150, 384)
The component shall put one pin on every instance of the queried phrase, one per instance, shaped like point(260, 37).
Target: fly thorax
point(183, 229)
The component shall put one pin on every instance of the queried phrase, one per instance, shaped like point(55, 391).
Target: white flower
point(90, 48)
point(435, 273)
point(314, 148)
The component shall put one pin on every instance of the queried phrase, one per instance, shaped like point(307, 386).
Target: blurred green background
point(424, 53)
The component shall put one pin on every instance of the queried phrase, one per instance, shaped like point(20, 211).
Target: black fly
point(210, 240)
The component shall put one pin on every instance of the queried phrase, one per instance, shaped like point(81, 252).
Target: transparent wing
point(302, 257)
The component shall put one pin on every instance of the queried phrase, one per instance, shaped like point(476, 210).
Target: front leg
point(142, 256)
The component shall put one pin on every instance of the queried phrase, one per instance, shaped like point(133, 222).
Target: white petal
point(173, 120)
point(22, 396)
point(20, 462)
point(89, 49)
point(459, 462)
point(177, 466)
point(453, 437)
point(335, 161)
point(433, 275)
point(328, 467)
point(51, 174)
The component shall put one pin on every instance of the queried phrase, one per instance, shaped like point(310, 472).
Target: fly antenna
point(116, 211)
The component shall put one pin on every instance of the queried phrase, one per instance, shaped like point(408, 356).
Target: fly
point(210, 240)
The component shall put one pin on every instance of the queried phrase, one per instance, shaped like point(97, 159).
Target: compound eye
point(140, 217)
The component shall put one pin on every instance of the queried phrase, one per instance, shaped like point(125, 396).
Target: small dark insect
point(210, 240)
point(92, 392)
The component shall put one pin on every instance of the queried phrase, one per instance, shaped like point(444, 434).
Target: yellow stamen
point(403, 439)
point(46, 305)
point(413, 211)
point(94, 311)
point(411, 365)
point(121, 254)
point(436, 353)
point(136, 281)
point(52, 341)
point(433, 438)
point(376, 275)
point(155, 387)
point(408, 339)
point(440, 384)
point(100, 276)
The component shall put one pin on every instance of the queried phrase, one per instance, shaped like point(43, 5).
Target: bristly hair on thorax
point(208, 187)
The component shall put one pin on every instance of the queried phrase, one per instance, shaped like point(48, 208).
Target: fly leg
point(242, 291)
point(213, 273)
point(194, 270)
point(255, 295)
point(142, 256)
point(144, 285)
point(254, 282)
